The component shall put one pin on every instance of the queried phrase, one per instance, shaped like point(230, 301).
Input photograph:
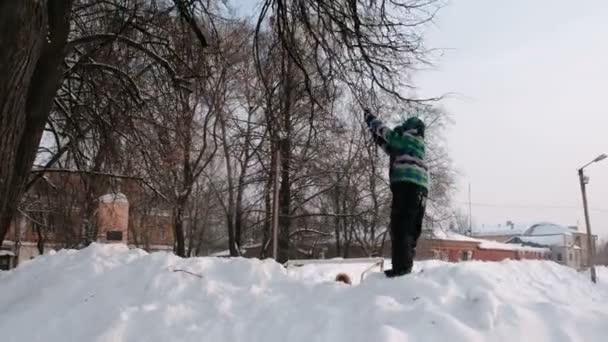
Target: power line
point(505, 206)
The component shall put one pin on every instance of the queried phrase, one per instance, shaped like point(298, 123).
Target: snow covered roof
point(500, 229)
point(440, 234)
point(547, 228)
point(542, 240)
point(483, 244)
point(5, 252)
point(116, 197)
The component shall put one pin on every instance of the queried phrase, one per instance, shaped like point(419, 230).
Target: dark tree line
point(210, 111)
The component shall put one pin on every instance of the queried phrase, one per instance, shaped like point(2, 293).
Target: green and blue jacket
point(405, 146)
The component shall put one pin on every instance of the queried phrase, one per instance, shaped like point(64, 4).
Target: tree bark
point(33, 35)
point(284, 201)
point(234, 246)
point(178, 227)
point(266, 231)
point(238, 219)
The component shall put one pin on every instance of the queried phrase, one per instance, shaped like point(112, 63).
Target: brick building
point(568, 245)
point(68, 210)
point(440, 245)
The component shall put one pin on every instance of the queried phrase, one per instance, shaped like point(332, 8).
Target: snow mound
point(112, 293)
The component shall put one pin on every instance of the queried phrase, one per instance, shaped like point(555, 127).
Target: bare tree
point(33, 36)
point(178, 96)
point(33, 63)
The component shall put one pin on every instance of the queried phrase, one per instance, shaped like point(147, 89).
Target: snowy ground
point(110, 293)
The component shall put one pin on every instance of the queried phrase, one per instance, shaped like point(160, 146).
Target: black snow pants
point(407, 212)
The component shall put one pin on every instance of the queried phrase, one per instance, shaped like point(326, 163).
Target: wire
point(489, 205)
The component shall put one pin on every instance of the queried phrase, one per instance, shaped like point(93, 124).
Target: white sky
point(532, 76)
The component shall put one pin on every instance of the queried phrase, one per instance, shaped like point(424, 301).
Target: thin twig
point(190, 273)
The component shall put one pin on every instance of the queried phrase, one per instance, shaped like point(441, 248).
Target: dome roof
point(546, 228)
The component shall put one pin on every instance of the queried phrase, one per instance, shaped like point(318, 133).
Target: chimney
point(113, 218)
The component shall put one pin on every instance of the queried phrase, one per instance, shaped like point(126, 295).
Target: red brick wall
point(448, 250)
point(493, 255)
point(455, 251)
point(113, 216)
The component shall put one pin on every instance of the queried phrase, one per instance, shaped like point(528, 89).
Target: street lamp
point(583, 180)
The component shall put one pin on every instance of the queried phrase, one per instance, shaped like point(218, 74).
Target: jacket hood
point(413, 125)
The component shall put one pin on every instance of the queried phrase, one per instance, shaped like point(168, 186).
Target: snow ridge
point(112, 293)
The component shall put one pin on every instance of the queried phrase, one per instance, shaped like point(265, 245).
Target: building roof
point(440, 234)
point(547, 228)
point(485, 244)
point(543, 234)
point(499, 229)
point(541, 240)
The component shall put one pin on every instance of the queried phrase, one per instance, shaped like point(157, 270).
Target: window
point(559, 256)
point(114, 235)
point(44, 223)
point(5, 263)
point(466, 255)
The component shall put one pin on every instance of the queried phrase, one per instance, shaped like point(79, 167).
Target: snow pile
point(111, 293)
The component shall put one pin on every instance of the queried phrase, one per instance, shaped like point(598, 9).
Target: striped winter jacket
point(405, 146)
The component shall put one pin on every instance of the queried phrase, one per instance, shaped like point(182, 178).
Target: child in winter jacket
point(409, 185)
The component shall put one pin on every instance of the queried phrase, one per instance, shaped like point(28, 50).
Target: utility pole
point(275, 205)
point(590, 245)
point(470, 213)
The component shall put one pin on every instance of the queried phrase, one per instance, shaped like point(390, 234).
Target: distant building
point(7, 260)
point(63, 210)
point(568, 246)
point(499, 232)
point(453, 247)
point(438, 244)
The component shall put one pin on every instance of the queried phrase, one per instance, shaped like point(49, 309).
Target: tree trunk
point(348, 233)
point(285, 151)
point(238, 219)
point(336, 198)
point(33, 36)
point(178, 228)
point(267, 227)
point(284, 201)
point(40, 242)
point(234, 245)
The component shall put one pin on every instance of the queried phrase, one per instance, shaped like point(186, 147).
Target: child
point(409, 184)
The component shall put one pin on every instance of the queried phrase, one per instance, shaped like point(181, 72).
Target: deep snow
point(111, 293)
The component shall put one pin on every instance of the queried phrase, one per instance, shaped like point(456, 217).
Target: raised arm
point(378, 139)
point(378, 129)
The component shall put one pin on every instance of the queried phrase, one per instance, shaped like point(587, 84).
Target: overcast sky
point(532, 78)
